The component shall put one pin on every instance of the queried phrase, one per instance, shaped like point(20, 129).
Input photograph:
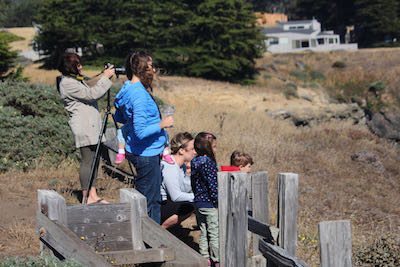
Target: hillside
point(346, 172)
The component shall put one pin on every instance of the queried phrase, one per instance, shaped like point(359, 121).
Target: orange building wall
point(270, 19)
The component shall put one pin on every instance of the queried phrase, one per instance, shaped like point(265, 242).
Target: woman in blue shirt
point(146, 137)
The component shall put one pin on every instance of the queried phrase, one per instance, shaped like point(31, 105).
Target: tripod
point(96, 158)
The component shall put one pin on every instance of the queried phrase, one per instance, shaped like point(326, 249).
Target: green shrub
point(290, 91)
point(299, 74)
point(383, 252)
point(46, 261)
point(9, 37)
point(377, 86)
point(316, 75)
point(33, 126)
point(339, 65)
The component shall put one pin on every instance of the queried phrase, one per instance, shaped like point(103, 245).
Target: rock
point(369, 158)
point(385, 124)
point(310, 117)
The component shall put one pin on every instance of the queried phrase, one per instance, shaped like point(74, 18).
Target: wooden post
point(53, 205)
point(138, 205)
point(232, 196)
point(260, 209)
point(287, 211)
point(335, 243)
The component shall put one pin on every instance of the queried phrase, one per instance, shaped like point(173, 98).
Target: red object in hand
point(230, 169)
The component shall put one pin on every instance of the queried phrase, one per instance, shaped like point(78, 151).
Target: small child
point(205, 188)
point(240, 162)
point(166, 155)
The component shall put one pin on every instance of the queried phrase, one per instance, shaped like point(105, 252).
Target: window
point(321, 41)
point(305, 43)
point(273, 41)
point(331, 40)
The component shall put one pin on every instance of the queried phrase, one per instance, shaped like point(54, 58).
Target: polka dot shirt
point(204, 182)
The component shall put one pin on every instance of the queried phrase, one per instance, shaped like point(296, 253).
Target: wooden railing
point(249, 240)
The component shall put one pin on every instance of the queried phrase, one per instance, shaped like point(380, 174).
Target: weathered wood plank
point(287, 211)
point(335, 243)
point(157, 237)
point(233, 218)
point(52, 205)
point(71, 247)
point(97, 234)
point(139, 256)
point(101, 213)
point(223, 192)
point(278, 257)
point(260, 209)
point(138, 206)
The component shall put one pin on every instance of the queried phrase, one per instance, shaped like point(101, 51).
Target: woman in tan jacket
point(80, 101)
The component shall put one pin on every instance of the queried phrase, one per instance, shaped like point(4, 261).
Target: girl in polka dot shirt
point(205, 189)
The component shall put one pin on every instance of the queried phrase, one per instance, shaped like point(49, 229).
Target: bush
point(339, 65)
point(299, 74)
point(316, 75)
point(377, 86)
point(46, 261)
point(33, 126)
point(383, 252)
point(290, 91)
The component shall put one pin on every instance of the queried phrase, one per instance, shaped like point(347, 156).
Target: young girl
point(205, 188)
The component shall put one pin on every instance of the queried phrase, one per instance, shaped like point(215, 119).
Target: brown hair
point(137, 64)
point(68, 64)
point(240, 159)
point(179, 141)
point(203, 144)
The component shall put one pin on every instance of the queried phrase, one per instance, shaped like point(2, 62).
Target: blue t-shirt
point(139, 112)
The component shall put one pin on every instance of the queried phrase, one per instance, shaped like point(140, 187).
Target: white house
point(301, 35)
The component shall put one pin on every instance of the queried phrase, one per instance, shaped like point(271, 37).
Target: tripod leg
point(96, 158)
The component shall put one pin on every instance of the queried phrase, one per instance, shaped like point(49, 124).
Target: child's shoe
point(119, 158)
point(168, 159)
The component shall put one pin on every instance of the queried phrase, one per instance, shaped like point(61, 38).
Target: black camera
point(118, 70)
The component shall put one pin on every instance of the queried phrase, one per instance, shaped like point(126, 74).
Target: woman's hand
point(109, 72)
point(167, 122)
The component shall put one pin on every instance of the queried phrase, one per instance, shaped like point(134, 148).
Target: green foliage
point(17, 13)
point(316, 75)
point(214, 39)
point(7, 57)
point(377, 86)
point(33, 126)
point(377, 21)
point(299, 74)
point(45, 261)
point(290, 91)
point(383, 252)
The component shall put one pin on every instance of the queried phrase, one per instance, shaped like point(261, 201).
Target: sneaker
point(168, 159)
point(119, 158)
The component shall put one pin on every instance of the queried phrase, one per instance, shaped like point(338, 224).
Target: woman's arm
point(79, 91)
point(141, 125)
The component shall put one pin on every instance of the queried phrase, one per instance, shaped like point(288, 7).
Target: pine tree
point(377, 21)
point(214, 39)
point(7, 57)
point(226, 41)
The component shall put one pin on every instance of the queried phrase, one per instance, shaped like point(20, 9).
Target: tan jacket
point(80, 101)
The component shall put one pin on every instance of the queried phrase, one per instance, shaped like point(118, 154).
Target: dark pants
point(87, 155)
point(148, 182)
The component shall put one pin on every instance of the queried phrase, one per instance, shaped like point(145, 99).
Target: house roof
point(280, 30)
point(291, 22)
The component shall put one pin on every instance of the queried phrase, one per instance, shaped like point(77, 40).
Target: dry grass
point(332, 185)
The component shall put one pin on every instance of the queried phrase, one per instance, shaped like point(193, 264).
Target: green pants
point(207, 219)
